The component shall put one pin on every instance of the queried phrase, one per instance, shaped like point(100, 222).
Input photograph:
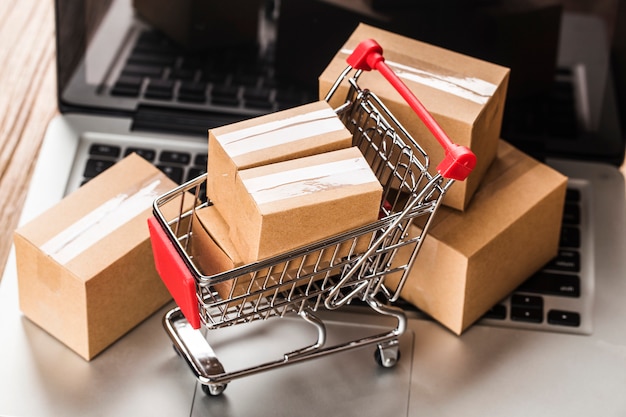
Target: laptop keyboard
point(156, 71)
point(179, 166)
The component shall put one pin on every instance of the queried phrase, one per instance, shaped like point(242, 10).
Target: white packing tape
point(308, 180)
point(469, 88)
point(280, 132)
point(103, 220)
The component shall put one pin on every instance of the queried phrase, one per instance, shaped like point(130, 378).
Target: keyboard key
point(149, 71)
point(201, 160)
point(526, 308)
point(147, 154)
point(195, 172)
point(98, 149)
point(572, 195)
point(160, 89)
point(96, 166)
point(159, 95)
point(528, 315)
point(571, 214)
point(124, 92)
point(566, 261)
point(192, 92)
point(173, 173)
point(127, 86)
point(552, 284)
point(174, 157)
point(564, 318)
point(225, 94)
point(130, 81)
point(257, 97)
point(527, 301)
point(570, 237)
point(156, 58)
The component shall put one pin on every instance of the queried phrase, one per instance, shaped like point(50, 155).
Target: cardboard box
point(85, 268)
point(198, 24)
point(286, 205)
point(471, 260)
point(297, 132)
point(214, 253)
point(465, 96)
point(211, 248)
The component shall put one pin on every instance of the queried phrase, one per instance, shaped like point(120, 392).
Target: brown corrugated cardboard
point(211, 247)
point(85, 268)
point(289, 204)
point(471, 260)
point(297, 132)
point(214, 253)
point(465, 95)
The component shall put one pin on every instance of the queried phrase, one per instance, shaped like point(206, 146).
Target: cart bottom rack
point(194, 348)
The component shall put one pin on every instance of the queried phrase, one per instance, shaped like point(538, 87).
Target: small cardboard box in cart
point(85, 268)
point(211, 248)
point(290, 204)
point(471, 260)
point(465, 96)
point(301, 131)
point(213, 253)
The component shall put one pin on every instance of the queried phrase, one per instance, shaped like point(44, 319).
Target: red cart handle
point(459, 161)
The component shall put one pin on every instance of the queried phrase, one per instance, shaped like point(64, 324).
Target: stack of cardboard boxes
point(291, 178)
point(499, 226)
point(280, 182)
point(496, 228)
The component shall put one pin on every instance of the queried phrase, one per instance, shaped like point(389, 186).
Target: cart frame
point(323, 275)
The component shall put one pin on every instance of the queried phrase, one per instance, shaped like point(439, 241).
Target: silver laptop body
point(495, 368)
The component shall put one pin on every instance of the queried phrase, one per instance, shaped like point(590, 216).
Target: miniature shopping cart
point(320, 276)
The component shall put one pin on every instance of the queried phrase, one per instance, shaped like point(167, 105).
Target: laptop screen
point(110, 51)
point(244, 58)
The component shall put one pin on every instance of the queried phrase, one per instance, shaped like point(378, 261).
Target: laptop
point(503, 365)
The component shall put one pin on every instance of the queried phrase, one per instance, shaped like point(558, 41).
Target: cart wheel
point(387, 356)
point(213, 390)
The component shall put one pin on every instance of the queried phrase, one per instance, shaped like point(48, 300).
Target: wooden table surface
point(27, 102)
